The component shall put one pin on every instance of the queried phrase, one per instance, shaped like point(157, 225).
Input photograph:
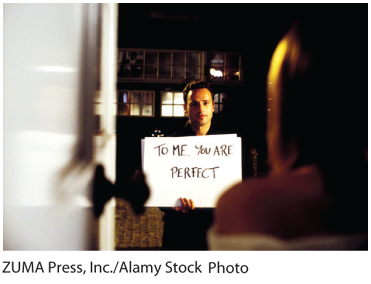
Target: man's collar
point(188, 131)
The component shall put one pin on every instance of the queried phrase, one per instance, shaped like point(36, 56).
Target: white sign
point(200, 168)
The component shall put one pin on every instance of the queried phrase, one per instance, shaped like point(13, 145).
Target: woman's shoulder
point(269, 204)
point(237, 205)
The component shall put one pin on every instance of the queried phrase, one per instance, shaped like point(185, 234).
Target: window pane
point(167, 110)
point(178, 98)
point(232, 74)
point(193, 59)
point(123, 97)
point(167, 98)
point(178, 110)
point(136, 71)
point(165, 58)
point(164, 72)
point(147, 110)
point(123, 109)
point(136, 57)
point(123, 71)
point(120, 56)
point(135, 97)
point(216, 97)
point(178, 72)
point(178, 58)
point(151, 57)
point(192, 72)
point(223, 98)
point(216, 108)
point(221, 107)
point(120, 109)
point(217, 73)
point(135, 109)
point(151, 71)
point(126, 57)
point(217, 59)
point(120, 96)
point(233, 60)
point(147, 97)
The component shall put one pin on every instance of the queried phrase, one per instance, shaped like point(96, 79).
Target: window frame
point(141, 103)
point(172, 104)
point(200, 67)
point(213, 79)
point(219, 103)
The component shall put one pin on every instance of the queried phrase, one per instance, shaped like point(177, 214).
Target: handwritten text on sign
point(199, 168)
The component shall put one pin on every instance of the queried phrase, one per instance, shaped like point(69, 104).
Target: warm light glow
point(216, 73)
point(276, 61)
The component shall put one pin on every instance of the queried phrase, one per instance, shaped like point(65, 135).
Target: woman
point(316, 195)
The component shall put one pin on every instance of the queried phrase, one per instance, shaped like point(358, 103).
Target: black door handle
point(133, 189)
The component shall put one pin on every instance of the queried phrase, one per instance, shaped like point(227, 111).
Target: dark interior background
point(253, 30)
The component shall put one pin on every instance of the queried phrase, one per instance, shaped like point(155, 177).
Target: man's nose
point(202, 107)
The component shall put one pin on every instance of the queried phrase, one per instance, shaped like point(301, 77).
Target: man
point(185, 226)
point(199, 107)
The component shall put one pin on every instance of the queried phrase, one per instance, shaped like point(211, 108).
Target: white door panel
point(51, 59)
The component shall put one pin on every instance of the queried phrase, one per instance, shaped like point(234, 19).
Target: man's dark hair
point(194, 85)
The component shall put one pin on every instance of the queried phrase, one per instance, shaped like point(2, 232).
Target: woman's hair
point(318, 108)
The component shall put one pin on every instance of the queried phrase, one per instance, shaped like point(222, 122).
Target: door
point(52, 56)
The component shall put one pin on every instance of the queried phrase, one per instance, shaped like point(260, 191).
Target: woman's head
point(317, 101)
point(288, 61)
point(316, 92)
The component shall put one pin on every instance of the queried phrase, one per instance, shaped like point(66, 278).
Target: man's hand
point(186, 205)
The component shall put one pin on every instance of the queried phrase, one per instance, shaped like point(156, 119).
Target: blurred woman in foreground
point(316, 196)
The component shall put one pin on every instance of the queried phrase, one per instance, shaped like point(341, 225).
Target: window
point(172, 104)
point(135, 103)
point(225, 67)
point(130, 64)
point(163, 65)
point(220, 100)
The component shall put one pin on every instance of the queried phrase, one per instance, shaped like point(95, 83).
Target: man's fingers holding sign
point(186, 205)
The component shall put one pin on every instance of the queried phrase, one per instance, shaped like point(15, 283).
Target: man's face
point(199, 107)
